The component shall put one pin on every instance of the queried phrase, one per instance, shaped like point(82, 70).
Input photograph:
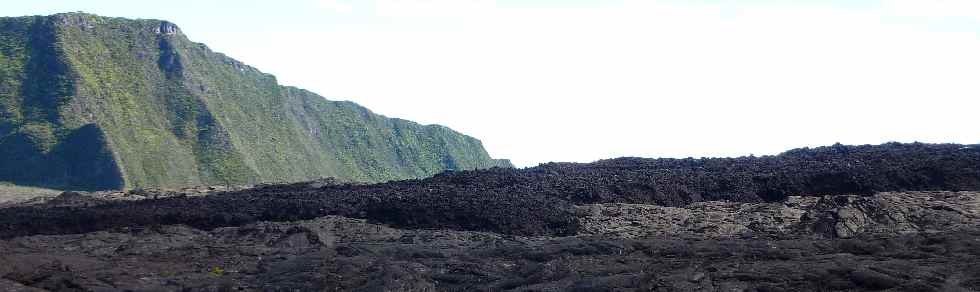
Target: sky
point(582, 80)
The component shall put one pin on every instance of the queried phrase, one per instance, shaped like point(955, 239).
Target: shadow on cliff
point(81, 160)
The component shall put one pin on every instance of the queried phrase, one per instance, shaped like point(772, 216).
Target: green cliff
point(90, 102)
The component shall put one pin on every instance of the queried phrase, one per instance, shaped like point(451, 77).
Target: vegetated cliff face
point(90, 102)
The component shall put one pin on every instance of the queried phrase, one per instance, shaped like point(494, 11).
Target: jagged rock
point(337, 253)
point(167, 28)
point(850, 222)
point(12, 286)
point(72, 199)
point(847, 216)
point(843, 216)
point(622, 225)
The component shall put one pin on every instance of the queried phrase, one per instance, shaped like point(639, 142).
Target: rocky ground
point(849, 220)
point(908, 241)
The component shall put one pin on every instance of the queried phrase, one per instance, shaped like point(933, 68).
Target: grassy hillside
point(90, 102)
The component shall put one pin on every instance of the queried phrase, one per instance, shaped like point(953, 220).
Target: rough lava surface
point(893, 217)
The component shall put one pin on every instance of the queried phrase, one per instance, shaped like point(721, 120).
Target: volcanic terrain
point(892, 217)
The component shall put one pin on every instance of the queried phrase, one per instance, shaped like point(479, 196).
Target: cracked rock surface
point(840, 216)
point(895, 217)
point(899, 241)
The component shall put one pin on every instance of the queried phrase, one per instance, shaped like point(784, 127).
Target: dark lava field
point(891, 217)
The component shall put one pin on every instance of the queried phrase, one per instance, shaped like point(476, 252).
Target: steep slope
point(90, 102)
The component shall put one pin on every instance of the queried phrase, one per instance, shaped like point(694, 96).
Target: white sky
point(541, 81)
